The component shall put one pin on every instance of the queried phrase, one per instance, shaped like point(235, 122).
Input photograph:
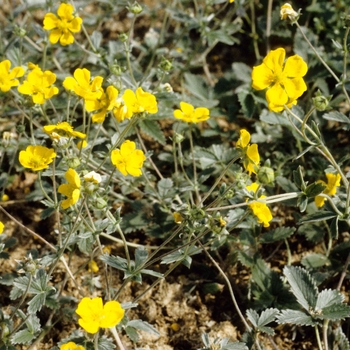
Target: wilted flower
point(250, 154)
point(8, 78)
point(39, 85)
point(71, 346)
point(82, 85)
point(128, 160)
point(63, 26)
point(260, 210)
point(140, 101)
point(63, 129)
point(287, 12)
point(178, 217)
point(94, 315)
point(70, 190)
point(333, 181)
point(36, 157)
point(282, 79)
point(191, 115)
point(93, 177)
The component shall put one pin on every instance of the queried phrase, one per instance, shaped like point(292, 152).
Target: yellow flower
point(82, 85)
point(106, 103)
point(7, 77)
point(282, 79)
point(2, 226)
point(121, 113)
point(260, 210)
point(94, 315)
point(37, 157)
point(128, 160)
point(93, 267)
point(231, 1)
point(82, 144)
point(177, 217)
point(251, 157)
point(71, 346)
point(63, 129)
point(39, 85)
point(190, 115)
point(287, 12)
point(140, 101)
point(5, 198)
point(93, 177)
point(333, 181)
point(62, 26)
point(70, 190)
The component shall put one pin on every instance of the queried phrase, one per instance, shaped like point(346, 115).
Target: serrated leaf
point(22, 337)
point(141, 255)
point(314, 260)
point(315, 189)
point(341, 342)
point(253, 317)
point(105, 344)
point(152, 129)
point(267, 330)
point(337, 116)
point(328, 297)
point(247, 103)
point(267, 316)
point(295, 317)
point(37, 303)
point(277, 234)
point(335, 312)
point(274, 118)
point(143, 326)
point(303, 286)
point(321, 215)
point(115, 261)
point(33, 323)
point(164, 186)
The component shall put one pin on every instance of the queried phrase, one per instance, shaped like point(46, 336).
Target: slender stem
point(254, 34)
point(345, 49)
point(343, 273)
point(96, 341)
point(268, 24)
point(317, 54)
point(325, 335)
point(229, 287)
point(318, 338)
point(117, 338)
point(43, 190)
point(289, 254)
point(194, 167)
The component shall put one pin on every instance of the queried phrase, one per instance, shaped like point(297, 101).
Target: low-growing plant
point(134, 136)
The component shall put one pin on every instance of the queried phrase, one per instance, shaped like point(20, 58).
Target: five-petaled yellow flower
point(106, 103)
point(92, 266)
point(282, 79)
point(191, 115)
point(128, 160)
point(71, 189)
point(71, 346)
point(259, 209)
point(8, 78)
point(140, 101)
point(82, 85)
point(333, 181)
point(63, 26)
point(39, 85)
point(36, 157)
point(63, 129)
point(2, 226)
point(250, 154)
point(94, 315)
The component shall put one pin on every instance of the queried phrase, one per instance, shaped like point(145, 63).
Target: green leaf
point(267, 316)
point(105, 343)
point(340, 342)
point(22, 337)
point(253, 317)
point(274, 118)
point(242, 72)
point(286, 184)
point(315, 189)
point(33, 323)
point(141, 255)
point(328, 297)
point(260, 322)
point(180, 255)
point(321, 215)
point(132, 334)
point(335, 312)
point(164, 186)
point(303, 286)
point(37, 303)
point(247, 102)
point(115, 261)
point(295, 317)
point(85, 242)
point(152, 273)
point(143, 326)
point(221, 36)
point(298, 178)
point(152, 129)
point(277, 234)
point(314, 260)
point(337, 116)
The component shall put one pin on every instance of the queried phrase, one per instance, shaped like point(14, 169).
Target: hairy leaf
point(295, 317)
point(152, 128)
point(315, 260)
point(335, 312)
point(303, 286)
point(337, 116)
point(143, 326)
point(277, 234)
point(328, 297)
point(317, 216)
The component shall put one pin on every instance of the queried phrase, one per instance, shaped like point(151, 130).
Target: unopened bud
point(266, 175)
point(73, 162)
point(165, 65)
point(115, 68)
point(99, 203)
point(135, 8)
point(178, 138)
point(123, 37)
point(321, 102)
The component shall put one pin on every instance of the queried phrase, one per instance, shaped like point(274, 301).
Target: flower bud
point(287, 13)
point(99, 203)
point(123, 37)
point(321, 102)
point(266, 175)
point(178, 138)
point(135, 8)
point(165, 65)
point(197, 213)
point(73, 162)
point(20, 128)
point(21, 32)
point(116, 69)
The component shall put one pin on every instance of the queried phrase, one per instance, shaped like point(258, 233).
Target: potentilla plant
point(118, 143)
